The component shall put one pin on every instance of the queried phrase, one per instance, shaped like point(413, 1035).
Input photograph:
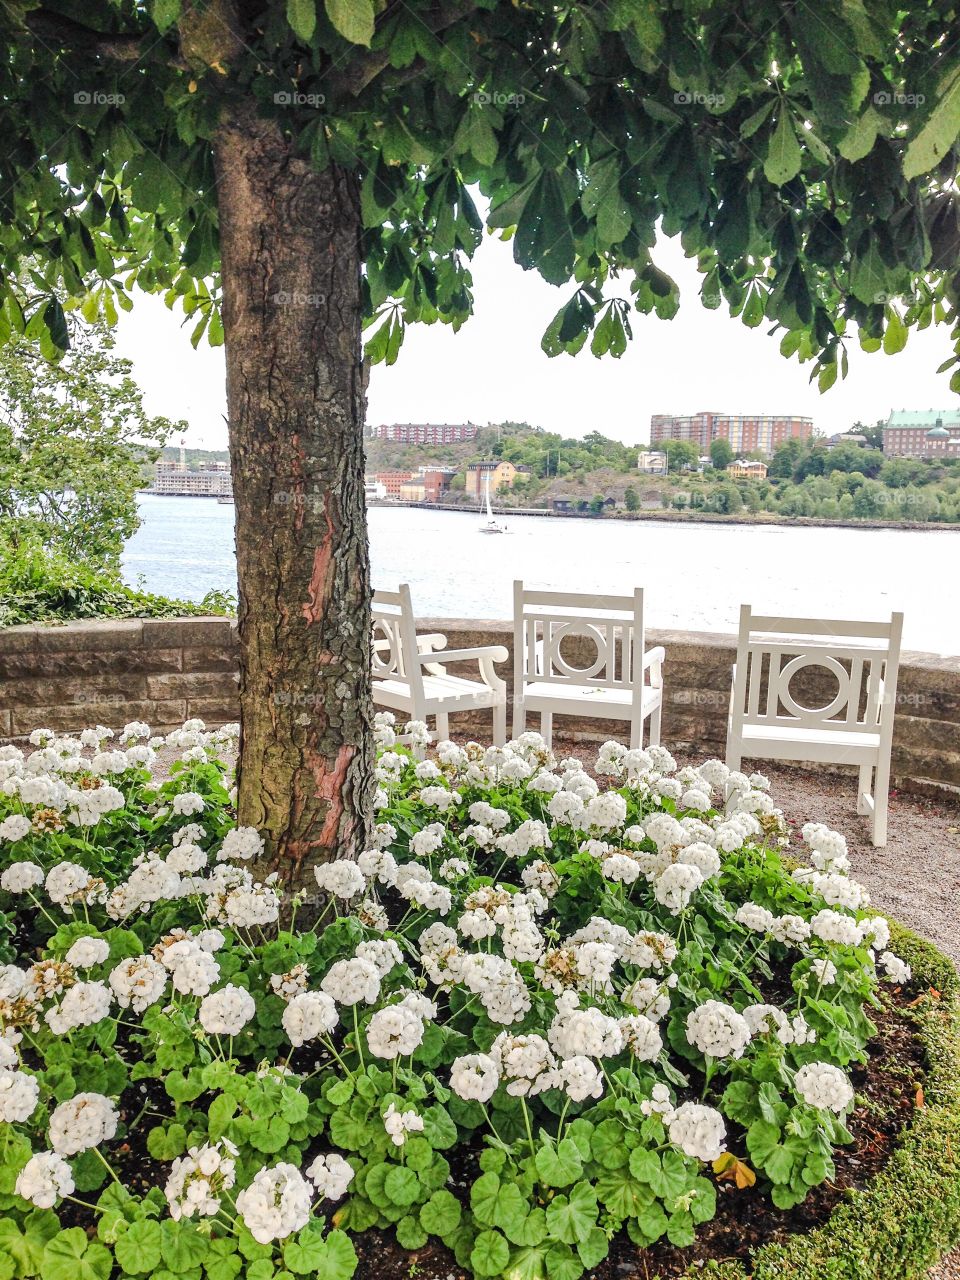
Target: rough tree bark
point(290, 249)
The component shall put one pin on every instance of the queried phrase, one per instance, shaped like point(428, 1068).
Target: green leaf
point(783, 152)
point(762, 1139)
point(302, 17)
point(559, 1166)
point(164, 13)
point(563, 1263)
point(939, 133)
point(649, 1225)
point(401, 1186)
point(544, 238)
point(182, 1246)
point(306, 1251)
point(354, 19)
point(858, 141)
point(594, 1249)
point(340, 1260)
point(440, 1216)
point(895, 334)
point(71, 1256)
point(490, 1254)
point(167, 1143)
point(572, 1218)
point(138, 1250)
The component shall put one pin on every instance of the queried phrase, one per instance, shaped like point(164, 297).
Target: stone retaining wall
point(164, 671)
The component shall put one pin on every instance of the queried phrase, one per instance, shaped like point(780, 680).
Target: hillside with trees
point(599, 476)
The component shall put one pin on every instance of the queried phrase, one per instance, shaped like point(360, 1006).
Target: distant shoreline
point(687, 517)
point(670, 517)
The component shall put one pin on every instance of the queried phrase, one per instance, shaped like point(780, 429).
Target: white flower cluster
point(399, 1123)
point(198, 1180)
point(45, 1179)
point(824, 1086)
point(717, 1030)
point(276, 1204)
point(84, 1122)
point(331, 1175)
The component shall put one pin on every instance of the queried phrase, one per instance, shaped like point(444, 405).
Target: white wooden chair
point(407, 676)
point(767, 722)
point(623, 681)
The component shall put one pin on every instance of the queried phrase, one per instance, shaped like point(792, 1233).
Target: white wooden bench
point(767, 722)
point(408, 677)
point(622, 682)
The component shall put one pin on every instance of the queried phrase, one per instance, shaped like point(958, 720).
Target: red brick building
point(392, 480)
point(924, 433)
point(746, 433)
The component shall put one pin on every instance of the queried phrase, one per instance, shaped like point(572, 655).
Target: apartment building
point(425, 432)
point(746, 433)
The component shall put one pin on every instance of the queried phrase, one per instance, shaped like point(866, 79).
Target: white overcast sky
point(494, 370)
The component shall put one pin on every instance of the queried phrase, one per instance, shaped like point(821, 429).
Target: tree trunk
point(290, 251)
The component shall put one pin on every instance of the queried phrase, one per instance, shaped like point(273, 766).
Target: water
point(695, 575)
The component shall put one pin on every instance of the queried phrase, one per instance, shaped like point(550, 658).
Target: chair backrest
point(863, 658)
point(394, 642)
point(610, 625)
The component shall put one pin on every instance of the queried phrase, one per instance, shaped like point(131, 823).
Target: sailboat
point(490, 525)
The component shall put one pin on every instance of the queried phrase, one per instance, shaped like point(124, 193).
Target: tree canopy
point(805, 154)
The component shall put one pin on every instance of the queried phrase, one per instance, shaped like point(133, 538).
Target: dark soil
point(888, 1091)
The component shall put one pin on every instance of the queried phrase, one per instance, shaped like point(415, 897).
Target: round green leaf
point(138, 1250)
point(71, 1256)
point(440, 1216)
point(401, 1186)
point(490, 1254)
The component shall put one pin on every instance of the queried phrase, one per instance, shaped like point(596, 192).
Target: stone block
point(19, 639)
point(183, 633)
point(91, 637)
point(73, 690)
point(215, 711)
point(211, 657)
point(71, 718)
point(193, 684)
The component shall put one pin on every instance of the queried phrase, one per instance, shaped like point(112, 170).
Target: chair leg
point(443, 726)
point(519, 717)
point(863, 787)
point(499, 724)
point(734, 758)
point(655, 719)
point(636, 735)
point(546, 727)
point(881, 789)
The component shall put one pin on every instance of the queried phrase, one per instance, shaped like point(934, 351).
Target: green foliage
point(807, 165)
point(721, 454)
point(36, 586)
point(603, 1109)
point(73, 437)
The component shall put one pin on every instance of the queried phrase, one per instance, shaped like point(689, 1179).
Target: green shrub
point(36, 586)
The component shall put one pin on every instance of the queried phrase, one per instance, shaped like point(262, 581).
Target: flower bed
point(536, 1017)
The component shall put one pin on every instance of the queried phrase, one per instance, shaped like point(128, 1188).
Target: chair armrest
point(653, 661)
point(484, 655)
point(431, 641)
point(493, 652)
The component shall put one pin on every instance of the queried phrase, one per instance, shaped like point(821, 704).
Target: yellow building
point(747, 470)
point(498, 474)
